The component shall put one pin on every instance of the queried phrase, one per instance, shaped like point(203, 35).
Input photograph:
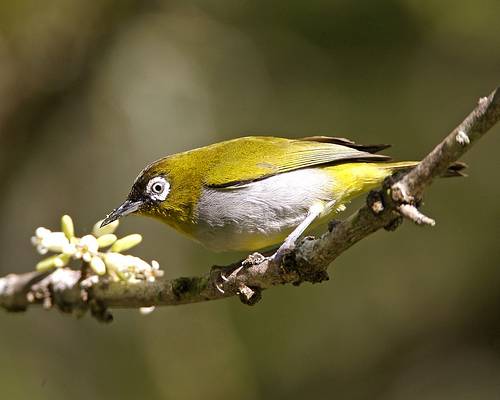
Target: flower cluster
point(90, 249)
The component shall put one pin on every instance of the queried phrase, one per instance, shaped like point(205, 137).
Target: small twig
point(454, 146)
point(413, 214)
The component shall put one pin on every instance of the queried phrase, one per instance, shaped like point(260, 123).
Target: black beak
point(128, 207)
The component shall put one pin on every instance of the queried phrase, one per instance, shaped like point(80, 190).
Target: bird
point(255, 192)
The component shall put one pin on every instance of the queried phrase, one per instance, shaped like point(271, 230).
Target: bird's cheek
point(155, 210)
point(146, 209)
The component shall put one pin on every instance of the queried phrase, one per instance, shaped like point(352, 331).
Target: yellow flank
point(354, 179)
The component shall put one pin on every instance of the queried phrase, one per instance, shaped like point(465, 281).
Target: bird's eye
point(158, 188)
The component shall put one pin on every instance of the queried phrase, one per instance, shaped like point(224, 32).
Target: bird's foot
point(248, 295)
point(253, 259)
point(228, 275)
point(281, 254)
point(234, 272)
point(273, 257)
point(221, 282)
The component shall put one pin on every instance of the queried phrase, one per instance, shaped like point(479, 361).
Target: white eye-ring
point(158, 188)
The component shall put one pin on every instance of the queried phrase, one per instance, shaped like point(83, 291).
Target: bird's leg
point(287, 246)
point(289, 243)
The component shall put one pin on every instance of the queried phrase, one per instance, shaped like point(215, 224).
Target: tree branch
point(68, 291)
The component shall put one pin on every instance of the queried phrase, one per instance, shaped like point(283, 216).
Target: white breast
point(261, 213)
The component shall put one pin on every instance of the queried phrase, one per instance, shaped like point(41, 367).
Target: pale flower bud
point(61, 260)
point(41, 232)
point(126, 243)
point(146, 310)
point(110, 228)
point(67, 226)
point(46, 264)
point(106, 240)
point(55, 241)
point(98, 265)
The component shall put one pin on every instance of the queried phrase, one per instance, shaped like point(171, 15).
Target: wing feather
point(370, 148)
point(252, 158)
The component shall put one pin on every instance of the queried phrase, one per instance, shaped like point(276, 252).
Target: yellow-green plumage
point(248, 159)
point(355, 179)
point(252, 192)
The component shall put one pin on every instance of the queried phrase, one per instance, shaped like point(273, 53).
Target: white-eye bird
point(255, 192)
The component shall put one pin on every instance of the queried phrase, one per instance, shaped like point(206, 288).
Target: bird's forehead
point(136, 192)
point(158, 167)
point(139, 186)
point(151, 171)
point(140, 181)
point(145, 175)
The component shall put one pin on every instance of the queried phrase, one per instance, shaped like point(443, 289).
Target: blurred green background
point(91, 91)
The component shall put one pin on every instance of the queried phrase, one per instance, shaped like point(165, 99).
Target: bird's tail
point(354, 179)
point(455, 169)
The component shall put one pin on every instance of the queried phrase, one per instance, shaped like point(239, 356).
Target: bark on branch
point(399, 197)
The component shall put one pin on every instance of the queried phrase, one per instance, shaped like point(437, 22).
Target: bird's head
point(149, 195)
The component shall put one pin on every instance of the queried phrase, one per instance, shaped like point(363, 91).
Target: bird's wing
point(253, 158)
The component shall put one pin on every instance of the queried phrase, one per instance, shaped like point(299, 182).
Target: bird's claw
point(253, 259)
point(218, 286)
point(226, 279)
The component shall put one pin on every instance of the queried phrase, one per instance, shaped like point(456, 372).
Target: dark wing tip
point(369, 148)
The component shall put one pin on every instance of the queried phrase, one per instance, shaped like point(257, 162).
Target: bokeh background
point(91, 91)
